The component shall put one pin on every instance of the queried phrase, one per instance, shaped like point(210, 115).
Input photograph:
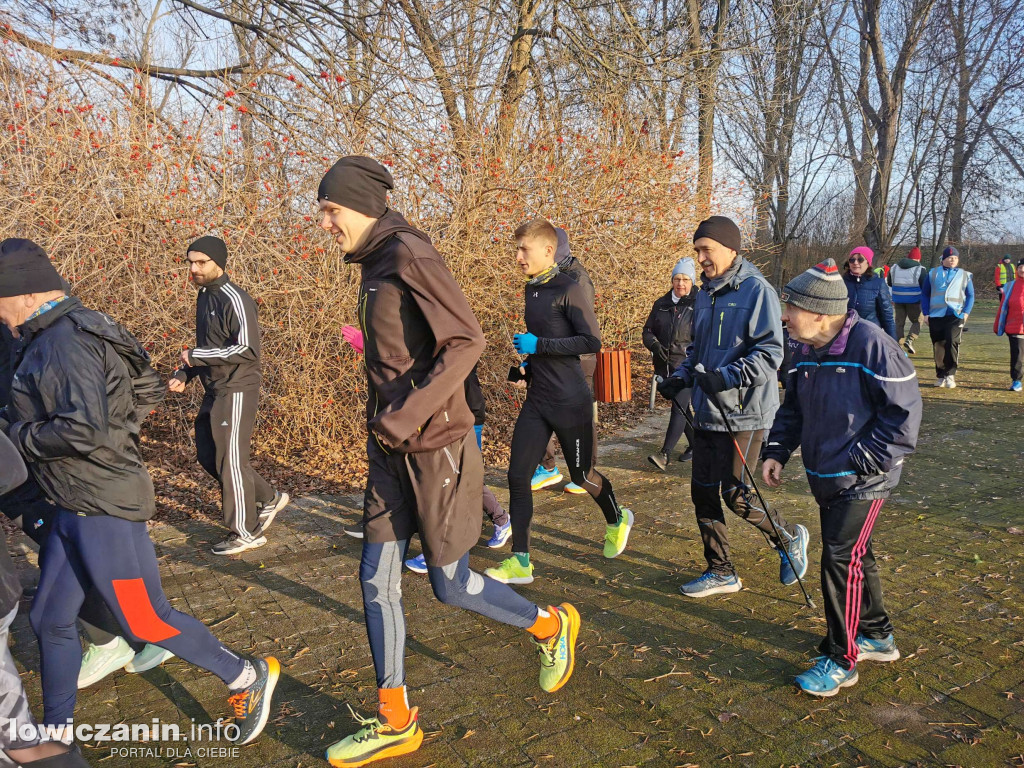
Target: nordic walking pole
point(764, 505)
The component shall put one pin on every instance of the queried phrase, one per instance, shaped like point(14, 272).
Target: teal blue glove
point(525, 343)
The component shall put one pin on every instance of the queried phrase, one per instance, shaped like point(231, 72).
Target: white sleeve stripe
point(222, 352)
point(897, 378)
point(243, 323)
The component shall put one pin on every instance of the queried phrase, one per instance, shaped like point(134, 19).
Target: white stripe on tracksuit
point(243, 328)
point(234, 465)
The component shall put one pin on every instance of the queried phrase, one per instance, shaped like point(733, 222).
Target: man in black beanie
point(421, 341)
point(737, 342)
point(226, 359)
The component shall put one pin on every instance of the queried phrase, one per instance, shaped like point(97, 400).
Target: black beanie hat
point(359, 183)
point(720, 229)
point(213, 247)
point(25, 268)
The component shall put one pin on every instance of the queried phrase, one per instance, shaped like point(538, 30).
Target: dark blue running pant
point(116, 557)
point(380, 575)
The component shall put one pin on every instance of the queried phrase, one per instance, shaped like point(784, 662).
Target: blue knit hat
point(685, 267)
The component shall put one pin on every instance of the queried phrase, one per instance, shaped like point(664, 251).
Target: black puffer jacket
point(82, 386)
point(669, 331)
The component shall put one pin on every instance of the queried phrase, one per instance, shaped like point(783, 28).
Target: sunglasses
point(857, 260)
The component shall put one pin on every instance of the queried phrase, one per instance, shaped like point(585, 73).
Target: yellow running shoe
point(511, 572)
point(616, 536)
point(558, 655)
point(375, 741)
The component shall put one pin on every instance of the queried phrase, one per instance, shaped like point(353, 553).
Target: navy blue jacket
point(855, 407)
point(869, 295)
point(737, 329)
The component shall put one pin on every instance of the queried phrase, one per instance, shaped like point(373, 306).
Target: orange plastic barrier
point(612, 379)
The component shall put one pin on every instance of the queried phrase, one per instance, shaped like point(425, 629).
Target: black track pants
point(223, 434)
point(573, 425)
point(946, 333)
point(849, 578)
point(678, 424)
point(718, 474)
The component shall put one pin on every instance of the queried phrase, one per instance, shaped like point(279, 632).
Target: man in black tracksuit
point(547, 473)
point(80, 387)
point(561, 326)
point(226, 359)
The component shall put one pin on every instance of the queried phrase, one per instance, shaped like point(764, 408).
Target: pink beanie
point(864, 251)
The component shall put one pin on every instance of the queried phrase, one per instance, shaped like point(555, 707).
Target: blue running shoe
point(798, 554)
point(501, 535)
point(709, 583)
point(877, 649)
point(417, 564)
point(573, 488)
point(825, 678)
point(542, 478)
point(1016, 386)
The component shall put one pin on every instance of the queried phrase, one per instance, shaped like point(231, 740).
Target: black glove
point(671, 387)
point(659, 353)
point(712, 381)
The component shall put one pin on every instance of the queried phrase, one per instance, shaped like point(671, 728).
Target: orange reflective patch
point(142, 620)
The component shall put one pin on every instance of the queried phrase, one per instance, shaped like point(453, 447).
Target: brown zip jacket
point(421, 340)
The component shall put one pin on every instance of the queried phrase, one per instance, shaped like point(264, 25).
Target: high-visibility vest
point(1004, 273)
point(906, 288)
point(948, 289)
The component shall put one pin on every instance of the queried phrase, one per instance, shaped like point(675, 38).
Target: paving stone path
point(661, 680)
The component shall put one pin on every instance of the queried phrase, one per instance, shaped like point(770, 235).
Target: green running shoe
point(616, 536)
point(375, 741)
point(99, 661)
point(511, 572)
point(558, 655)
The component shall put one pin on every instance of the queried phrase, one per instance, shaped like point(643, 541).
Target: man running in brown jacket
point(421, 340)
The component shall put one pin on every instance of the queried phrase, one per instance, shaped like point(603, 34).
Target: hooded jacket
point(573, 267)
point(669, 331)
point(421, 340)
point(738, 330)
point(81, 389)
point(854, 409)
point(869, 296)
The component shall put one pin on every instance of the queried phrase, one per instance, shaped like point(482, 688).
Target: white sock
point(244, 680)
point(541, 613)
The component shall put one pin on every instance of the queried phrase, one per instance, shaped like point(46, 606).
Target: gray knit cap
point(685, 267)
point(820, 290)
